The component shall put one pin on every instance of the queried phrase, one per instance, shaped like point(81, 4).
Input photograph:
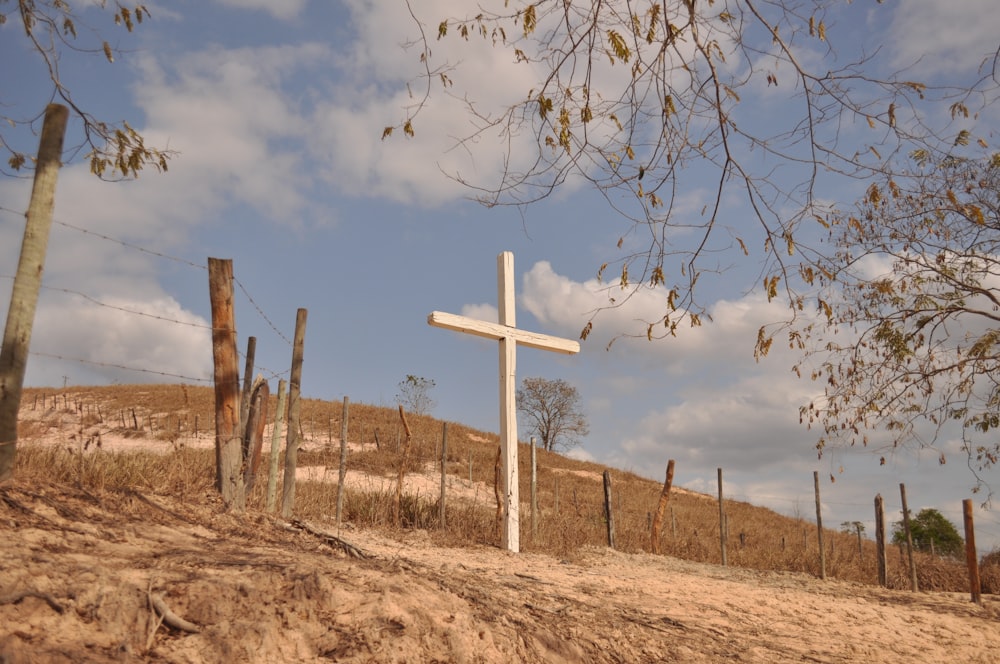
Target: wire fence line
point(272, 374)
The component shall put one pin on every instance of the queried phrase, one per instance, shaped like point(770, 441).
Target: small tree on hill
point(413, 394)
point(553, 411)
point(930, 530)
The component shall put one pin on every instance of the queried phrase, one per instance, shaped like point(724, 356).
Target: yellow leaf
point(408, 128)
point(529, 20)
point(107, 52)
point(386, 133)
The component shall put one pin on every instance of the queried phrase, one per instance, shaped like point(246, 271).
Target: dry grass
point(570, 492)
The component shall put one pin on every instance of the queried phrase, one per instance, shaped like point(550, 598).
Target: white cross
point(509, 336)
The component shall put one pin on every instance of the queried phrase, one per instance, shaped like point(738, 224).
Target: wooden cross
point(509, 337)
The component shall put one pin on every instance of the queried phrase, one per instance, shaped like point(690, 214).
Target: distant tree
point(55, 31)
point(930, 530)
point(553, 411)
point(414, 394)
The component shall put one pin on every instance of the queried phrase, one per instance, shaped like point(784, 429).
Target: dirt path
point(77, 572)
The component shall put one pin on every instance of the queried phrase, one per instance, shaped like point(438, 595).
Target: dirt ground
point(80, 575)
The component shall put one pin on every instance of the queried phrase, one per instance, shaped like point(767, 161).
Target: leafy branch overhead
point(909, 336)
point(55, 30)
point(745, 103)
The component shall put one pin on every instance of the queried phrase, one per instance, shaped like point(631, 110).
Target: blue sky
point(276, 109)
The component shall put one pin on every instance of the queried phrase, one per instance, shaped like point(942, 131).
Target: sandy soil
point(79, 573)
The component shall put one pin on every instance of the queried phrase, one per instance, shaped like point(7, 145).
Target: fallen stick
point(329, 538)
point(170, 618)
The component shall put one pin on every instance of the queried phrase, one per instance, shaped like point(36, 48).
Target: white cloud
point(280, 9)
point(484, 312)
point(944, 37)
point(165, 343)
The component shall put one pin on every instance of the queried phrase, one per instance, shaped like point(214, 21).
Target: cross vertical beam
point(505, 331)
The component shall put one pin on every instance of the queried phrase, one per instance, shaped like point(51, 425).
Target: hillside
point(91, 536)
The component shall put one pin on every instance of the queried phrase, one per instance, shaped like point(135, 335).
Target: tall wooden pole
point(971, 560)
point(228, 436)
point(28, 281)
point(294, 392)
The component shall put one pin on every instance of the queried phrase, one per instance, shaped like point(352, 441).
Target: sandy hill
point(89, 569)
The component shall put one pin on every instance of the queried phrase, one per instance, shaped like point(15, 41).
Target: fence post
point(661, 507)
point(294, 393)
point(971, 559)
point(247, 384)
point(28, 281)
point(722, 523)
point(534, 491)
point(228, 433)
point(819, 527)
point(444, 475)
point(272, 472)
point(342, 472)
point(607, 509)
point(909, 538)
point(880, 552)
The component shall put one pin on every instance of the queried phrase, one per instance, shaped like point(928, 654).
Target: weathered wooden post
point(722, 522)
point(661, 508)
point(272, 473)
point(534, 490)
point(608, 513)
point(342, 471)
point(971, 559)
point(228, 436)
point(819, 527)
point(294, 393)
point(506, 332)
point(246, 394)
point(880, 547)
point(442, 511)
point(909, 539)
point(28, 282)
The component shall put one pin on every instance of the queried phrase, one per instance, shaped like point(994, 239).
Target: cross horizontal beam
point(488, 330)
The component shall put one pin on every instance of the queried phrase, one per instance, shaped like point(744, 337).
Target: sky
point(275, 110)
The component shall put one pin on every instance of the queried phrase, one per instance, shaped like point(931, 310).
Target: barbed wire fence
point(12, 214)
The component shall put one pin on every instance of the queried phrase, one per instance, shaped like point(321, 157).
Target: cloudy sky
point(275, 109)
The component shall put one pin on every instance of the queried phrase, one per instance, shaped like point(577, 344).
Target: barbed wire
point(159, 254)
point(119, 366)
point(261, 312)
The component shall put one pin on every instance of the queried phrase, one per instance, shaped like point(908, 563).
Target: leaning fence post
point(661, 507)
